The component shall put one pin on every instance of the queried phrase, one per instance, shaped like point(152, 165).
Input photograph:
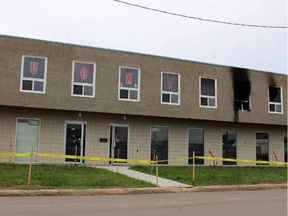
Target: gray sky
point(108, 24)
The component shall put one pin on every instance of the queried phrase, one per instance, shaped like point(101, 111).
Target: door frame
point(65, 135)
point(16, 131)
point(110, 144)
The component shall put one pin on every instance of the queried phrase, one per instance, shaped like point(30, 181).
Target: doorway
point(119, 142)
point(75, 139)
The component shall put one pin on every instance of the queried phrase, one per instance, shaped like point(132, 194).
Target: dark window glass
point(124, 94)
point(170, 82)
point(274, 94)
point(196, 143)
point(262, 147)
point(83, 72)
point(38, 86)
point(129, 78)
point(229, 146)
point(34, 67)
point(204, 101)
point(166, 98)
point(73, 139)
point(159, 143)
point(207, 87)
point(27, 85)
point(174, 98)
point(133, 95)
point(285, 148)
point(272, 107)
point(88, 90)
point(77, 89)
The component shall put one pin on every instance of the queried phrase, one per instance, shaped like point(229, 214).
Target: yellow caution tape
point(137, 161)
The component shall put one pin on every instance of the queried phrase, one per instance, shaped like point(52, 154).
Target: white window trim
point(127, 88)
point(170, 93)
point(84, 84)
point(207, 96)
point(276, 103)
point(33, 79)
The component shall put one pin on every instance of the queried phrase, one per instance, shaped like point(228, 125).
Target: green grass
point(220, 175)
point(14, 176)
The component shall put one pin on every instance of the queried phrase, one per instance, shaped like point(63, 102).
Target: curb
point(123, 191)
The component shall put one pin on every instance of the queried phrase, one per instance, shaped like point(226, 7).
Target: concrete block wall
point(52, 135)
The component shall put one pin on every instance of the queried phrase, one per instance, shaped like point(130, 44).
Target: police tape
point(135, 160)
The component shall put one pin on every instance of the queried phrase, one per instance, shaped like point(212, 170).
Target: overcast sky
point(108, 24)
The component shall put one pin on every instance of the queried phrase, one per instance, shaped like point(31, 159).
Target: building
point(56, 96)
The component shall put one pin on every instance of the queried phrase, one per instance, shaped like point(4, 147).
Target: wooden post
point(193, 178)
point(153, 159)
point(118, 161)
point(157, 170)
point(30, 167)
point(10, 157)
point(75, 155)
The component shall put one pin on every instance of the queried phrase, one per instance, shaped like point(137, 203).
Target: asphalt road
point(240, 203)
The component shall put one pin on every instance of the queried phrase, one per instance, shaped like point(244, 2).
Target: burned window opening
point(242, 89)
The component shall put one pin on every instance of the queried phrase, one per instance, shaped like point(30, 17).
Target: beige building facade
point(117, 104)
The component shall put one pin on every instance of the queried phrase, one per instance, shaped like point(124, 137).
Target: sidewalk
point(162, 182)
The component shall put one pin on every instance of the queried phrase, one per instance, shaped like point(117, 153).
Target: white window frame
point(129, 89)
point(170, 93)
point(205, 96)
point(275, 103)
point(33, 79)
point(83, 84)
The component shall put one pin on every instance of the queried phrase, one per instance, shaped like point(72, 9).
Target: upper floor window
point(208, 92)
point(83, 79)
point(33, 74)
point(129, 84)
point(170, 88)
point(275, 99)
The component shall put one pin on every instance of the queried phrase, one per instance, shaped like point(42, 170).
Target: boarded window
point(275, 99)
point(208, 95)
point(170, 92)
point(196, 143)
point(33, 78)
point(129, 84)
point(83, 79)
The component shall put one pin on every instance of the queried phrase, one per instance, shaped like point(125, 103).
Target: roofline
point(130, 52)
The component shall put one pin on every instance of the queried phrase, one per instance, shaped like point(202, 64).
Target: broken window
point(275, 102)
point(242, 88)
point(208, 88)
point(170, 93)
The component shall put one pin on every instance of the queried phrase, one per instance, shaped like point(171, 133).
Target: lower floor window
point(159, 143)
point(285, 148)
point(262, 147)
point(229, 146)
point(196, 143)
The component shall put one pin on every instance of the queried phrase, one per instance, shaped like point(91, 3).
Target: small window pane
point(174, 99)
point(166, 98)
point(27, 85)
point(133, 95)
point(204, 101)
point(88, 90)
point(272, 107)
point(123, 94)
point(278, 108)
point(207, 87)
point(38, 86)
point(77, 90)
point(212, 102)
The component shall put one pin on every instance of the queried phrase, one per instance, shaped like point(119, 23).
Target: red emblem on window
point(83, 73)
point(33, 67)
point(129, 80)
point(170, 82)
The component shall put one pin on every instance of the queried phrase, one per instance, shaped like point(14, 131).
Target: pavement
point(236, 203)
point(162, 182)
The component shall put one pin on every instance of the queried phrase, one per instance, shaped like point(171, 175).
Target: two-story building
point(56, 96)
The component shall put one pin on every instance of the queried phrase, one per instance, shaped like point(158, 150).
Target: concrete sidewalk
point(162, 182)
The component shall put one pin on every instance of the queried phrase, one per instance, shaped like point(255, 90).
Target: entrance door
point(119, 141)
point(27, 136)
point(75, 137)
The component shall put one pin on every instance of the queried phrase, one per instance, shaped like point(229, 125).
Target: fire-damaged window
point(242, 88)
point(83, 79)
point(275, 99)
point(170, 90)
point(129, 84)
point(208, 92)
point(33, 74)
